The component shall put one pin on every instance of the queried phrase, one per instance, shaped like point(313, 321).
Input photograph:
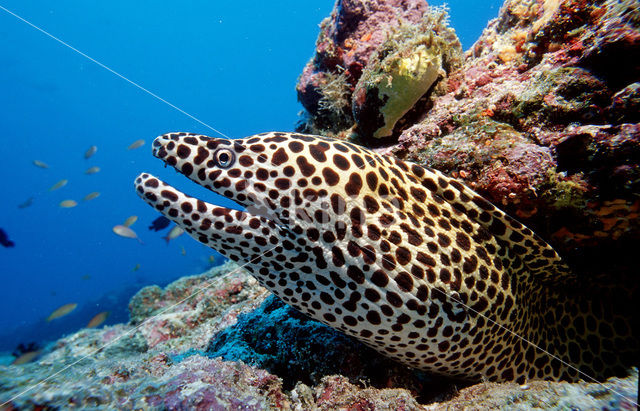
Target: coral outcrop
point(345, 45)
point(401, 72)
point(252, 352)
point(541, 117)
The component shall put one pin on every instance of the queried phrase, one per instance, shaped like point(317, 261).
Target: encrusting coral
point(346, 43)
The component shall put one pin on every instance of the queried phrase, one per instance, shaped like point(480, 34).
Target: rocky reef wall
point(540, 116)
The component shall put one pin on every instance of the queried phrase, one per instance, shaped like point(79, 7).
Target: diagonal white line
point(113, 71)
point(208, 285)
point(522, 338)
point(222, 134)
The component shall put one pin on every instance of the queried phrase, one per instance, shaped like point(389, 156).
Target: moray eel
point(403, 258)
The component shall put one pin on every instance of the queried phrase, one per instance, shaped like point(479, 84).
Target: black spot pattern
point(410, 261)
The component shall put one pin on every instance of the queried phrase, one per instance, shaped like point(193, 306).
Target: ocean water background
point(232, 65)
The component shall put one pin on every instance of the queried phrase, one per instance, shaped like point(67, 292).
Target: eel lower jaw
point(161, 195)
point(164, 198)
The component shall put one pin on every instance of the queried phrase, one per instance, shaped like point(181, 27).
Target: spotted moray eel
point(403, 258)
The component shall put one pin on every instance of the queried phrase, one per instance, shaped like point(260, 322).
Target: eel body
point(403, 258)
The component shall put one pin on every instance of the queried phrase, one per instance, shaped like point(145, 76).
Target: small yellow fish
point(183, 251)
point(92, 170)
point(86, 277)
point(175, 232)
point(136, 268)
point(90, 151)
point(40, 164)
point(26, 357)
point(26, 203)
point(68, 204)
point(62, 311)
point(98, 319)
point(136, 144)
point(91, 196)
point(130, 220)
point(124, 231)
point(59, 184)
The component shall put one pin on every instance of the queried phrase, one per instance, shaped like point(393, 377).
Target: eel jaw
point(223, 229)
point(196, 217)
point(172, 203)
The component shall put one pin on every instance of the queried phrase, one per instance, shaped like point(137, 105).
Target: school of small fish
point(90, 151)
point(4, 239)
point(59, 185)
point(91, 196)
point(68, 203)
point(175, 232)
point(126, 232)
point(122, 230)
point(136, 144)
point(26, 203)
point(26, 357)
point(98, 319)
point(40, 164)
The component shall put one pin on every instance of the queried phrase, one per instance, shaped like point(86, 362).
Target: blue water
point(232, 65)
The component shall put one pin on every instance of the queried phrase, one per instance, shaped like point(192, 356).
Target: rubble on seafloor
point(540, 116)
point(232, 345)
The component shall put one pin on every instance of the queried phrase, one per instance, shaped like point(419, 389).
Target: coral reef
point(401, 72)
point(615, 394)
point(537, 123)
point(540, 118)
point(143, 364)
point(346, 43)
point(243, 357)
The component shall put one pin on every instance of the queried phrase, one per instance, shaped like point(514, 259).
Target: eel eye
point(224, 157)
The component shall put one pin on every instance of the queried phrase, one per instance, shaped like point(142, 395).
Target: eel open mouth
point(208, 223)
point(167, 199)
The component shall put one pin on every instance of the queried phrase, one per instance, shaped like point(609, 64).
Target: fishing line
point(204, 288)
point(451, 297)
point(163, 311)
point(521, 338)
point(113, 71)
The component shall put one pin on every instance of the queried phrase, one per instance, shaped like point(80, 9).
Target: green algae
point(334, 105)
